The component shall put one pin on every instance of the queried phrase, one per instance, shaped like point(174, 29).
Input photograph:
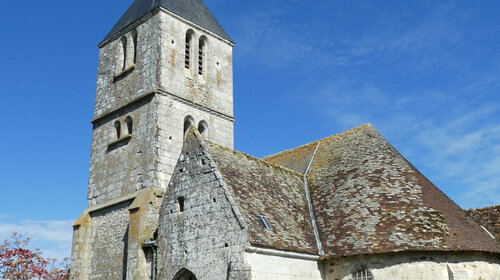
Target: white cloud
point(53, 238)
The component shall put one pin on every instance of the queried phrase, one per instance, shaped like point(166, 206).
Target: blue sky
point(426, 74)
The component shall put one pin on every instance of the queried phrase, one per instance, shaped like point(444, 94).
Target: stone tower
point(164, 67)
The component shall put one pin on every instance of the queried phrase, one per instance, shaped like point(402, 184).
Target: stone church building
point(169, 198)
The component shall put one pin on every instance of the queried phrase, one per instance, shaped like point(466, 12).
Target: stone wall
point(198, 229)
point(419, 266)
point(125, 164)
point(116, 88)
point(213, 89)
point(109, 242)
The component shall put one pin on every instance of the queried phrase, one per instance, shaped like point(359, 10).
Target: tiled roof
point(261, 188)
point(367, 198)
point(194, 11)
point(488, 217)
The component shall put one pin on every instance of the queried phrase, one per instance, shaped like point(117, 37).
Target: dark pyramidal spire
point(194, 11)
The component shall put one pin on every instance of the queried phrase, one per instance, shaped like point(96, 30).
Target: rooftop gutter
point(309, 203)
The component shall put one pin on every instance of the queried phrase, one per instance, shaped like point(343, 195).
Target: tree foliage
point(17, 262)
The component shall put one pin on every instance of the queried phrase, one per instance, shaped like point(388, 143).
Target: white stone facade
point(419, 266)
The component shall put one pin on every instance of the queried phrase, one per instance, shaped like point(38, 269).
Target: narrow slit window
point(129, 122)
point(118, 129)
point(187, 57)
point(124, 50)
point(180, 201)
point(265, 223)
point(201, 54)
point(134, 41)
point(200, 59)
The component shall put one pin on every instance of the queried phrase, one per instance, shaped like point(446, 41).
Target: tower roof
point(194, 11)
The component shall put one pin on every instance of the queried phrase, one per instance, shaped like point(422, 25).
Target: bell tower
point(165, 66)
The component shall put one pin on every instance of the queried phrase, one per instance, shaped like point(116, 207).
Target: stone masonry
point(144, 95)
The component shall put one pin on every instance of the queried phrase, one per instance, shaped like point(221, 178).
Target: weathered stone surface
point(198, 228)
point(147, 86)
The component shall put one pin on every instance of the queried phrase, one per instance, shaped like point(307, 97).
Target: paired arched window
point(118, 127)
point(361, 272)
point(202, 51)
point(127, 51)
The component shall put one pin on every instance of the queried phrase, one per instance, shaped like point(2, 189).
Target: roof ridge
point(268, 157)
point(253, 158)
point(483, 208)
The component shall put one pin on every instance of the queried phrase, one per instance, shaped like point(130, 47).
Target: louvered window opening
point(364, 274)
point(188, 48)
point(200, 60)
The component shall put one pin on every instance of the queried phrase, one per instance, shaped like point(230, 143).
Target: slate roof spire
point(194, 11)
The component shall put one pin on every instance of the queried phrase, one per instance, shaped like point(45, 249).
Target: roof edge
point(366, 125)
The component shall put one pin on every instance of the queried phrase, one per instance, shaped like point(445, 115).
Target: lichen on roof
point(367, 198)
point(261, 188)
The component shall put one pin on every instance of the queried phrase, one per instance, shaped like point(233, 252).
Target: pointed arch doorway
point(185, 274)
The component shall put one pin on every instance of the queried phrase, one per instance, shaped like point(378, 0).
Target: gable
point(263, 189)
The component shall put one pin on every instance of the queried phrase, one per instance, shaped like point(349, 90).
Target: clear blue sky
point(426, 74)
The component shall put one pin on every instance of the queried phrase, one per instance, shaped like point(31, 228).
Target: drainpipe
point(152, 245)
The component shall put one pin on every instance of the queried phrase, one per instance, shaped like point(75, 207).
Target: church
point(170, 199)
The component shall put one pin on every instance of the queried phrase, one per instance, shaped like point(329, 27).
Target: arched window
point(184, 274)
point(189, 46)
point(361, 272)
point(134, 46)
point(203, 128)
point(202, 49)
point(129, 122)
point(123, 58)
point(188, 122)
point(118, 129)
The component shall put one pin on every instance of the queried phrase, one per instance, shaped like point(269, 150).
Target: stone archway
point(185, 274)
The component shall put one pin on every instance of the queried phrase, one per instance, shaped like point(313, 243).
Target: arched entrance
point(184, 274)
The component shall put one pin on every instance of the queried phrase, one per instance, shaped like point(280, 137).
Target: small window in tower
point(180, 201)
point(129, 122)
point(361, 272)
point(118, 129)
point(124, 50)
point(188, 122)
point(203, 128)
point(134, 42)
point(265, 223)
point(189, 41)
point(201, 54)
